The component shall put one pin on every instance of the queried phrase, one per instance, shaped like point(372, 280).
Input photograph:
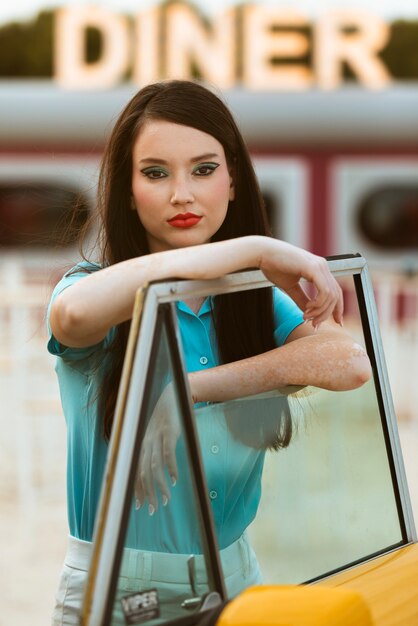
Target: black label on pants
point(141, 606)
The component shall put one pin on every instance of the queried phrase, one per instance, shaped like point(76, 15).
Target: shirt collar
point(205, 308)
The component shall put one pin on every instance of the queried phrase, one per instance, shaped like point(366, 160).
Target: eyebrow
point(196, 159)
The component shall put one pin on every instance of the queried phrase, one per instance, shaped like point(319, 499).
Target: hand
point(158, 453)
point(285, 265)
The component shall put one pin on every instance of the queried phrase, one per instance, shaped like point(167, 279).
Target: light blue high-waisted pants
point(141, 570)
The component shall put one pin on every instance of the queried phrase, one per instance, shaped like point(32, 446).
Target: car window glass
point(317, 504)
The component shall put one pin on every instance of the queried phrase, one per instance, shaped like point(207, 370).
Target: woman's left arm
point(327, 358)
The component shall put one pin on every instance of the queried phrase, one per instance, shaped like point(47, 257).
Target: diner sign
point(238, 47)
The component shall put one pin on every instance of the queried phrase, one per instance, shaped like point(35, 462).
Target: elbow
point(66, 322)
point(360, 369)
point(362, 374)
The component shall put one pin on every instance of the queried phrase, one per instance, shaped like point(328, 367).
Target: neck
point(194, 304)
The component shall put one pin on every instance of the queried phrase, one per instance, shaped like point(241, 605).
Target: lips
point(184, 220)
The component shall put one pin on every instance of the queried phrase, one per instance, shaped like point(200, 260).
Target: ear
point(132, 203)
point(231, 188)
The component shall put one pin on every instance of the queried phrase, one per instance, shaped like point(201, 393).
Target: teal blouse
point(233, 469)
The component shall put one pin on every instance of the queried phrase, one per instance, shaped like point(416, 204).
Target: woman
point(178, 197)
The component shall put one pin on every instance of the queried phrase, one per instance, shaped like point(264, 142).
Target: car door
point(334, 496)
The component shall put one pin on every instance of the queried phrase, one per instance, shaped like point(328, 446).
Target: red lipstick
point(184, 220)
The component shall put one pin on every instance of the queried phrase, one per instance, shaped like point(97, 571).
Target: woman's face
point(181, 184)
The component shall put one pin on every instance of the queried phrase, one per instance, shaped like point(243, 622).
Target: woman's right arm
point(83, 314)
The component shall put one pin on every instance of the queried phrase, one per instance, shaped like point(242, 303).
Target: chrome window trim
point(94, 614)
point(389, 409)
point(173, 291)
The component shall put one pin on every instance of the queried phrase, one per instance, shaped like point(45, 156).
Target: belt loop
point(147, 565)
point(128, 569)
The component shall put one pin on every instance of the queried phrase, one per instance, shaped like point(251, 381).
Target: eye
point(205, 169)
point(154, 173)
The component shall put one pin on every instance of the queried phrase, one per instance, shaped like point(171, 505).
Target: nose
point(181, 193)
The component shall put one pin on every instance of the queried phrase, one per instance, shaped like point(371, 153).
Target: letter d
point(71, 68)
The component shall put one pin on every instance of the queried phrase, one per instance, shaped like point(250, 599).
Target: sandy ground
point(32, 550)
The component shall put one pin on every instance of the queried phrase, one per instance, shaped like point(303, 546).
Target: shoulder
point(283, 303)
point(71, 276)
point(82, 268)
point(75, 273)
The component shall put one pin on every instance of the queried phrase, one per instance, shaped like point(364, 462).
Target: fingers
point(338, 312)
point(169, 456)
point(146, 480)
point(299, 296)
point(158, 474)
point(329, 299)
point(139, 487)
point(301, 264)
point(158, 453)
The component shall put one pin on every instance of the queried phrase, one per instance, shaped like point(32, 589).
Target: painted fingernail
point(137, 504)
point(164, 500)
point(151, 510)
point(341, 323)
point(173, 481)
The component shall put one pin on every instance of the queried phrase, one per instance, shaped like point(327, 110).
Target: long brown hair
point(243, 321)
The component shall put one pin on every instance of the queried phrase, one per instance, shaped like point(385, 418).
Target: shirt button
point(213, 494)
point(215, 449)
point(203, 360)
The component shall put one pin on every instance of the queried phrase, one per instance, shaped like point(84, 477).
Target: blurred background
point(327, 98)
